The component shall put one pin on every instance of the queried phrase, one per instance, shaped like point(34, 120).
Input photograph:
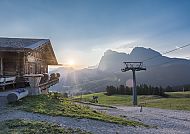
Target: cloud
point(126, 46)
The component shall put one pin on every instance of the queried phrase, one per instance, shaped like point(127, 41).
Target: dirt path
point(94, 126)
point(167, 121)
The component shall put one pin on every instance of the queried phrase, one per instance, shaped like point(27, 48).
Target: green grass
point(56, 105)
point(117, 99)
point(175, 101)
point(107, 100)
point(179, 94)
point(34, 127)
point(170, 103)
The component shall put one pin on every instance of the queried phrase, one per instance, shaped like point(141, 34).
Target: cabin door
point(32, 68)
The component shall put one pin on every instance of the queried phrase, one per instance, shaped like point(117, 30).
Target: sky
point(82, 30)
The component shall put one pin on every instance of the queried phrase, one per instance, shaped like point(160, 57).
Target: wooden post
point(34, 80)
point(1, 61)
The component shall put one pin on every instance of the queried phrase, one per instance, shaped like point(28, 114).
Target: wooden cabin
point(21, 56)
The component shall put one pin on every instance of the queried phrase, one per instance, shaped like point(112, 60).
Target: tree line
point(177, 88)
point(142, 89)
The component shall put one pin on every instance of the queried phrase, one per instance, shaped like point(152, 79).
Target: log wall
point(35, 64)
point(20, 63)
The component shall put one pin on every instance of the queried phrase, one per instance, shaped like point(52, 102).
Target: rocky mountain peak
point(144, 52)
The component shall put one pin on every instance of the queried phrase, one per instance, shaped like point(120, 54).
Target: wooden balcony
point(39, 83)
point(49, 83)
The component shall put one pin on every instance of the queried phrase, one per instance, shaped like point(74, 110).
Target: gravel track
point(89, 125)
point(167, 121)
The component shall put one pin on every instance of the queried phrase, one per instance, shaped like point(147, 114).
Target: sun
point(71, 62)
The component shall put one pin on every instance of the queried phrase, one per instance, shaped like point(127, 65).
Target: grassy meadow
point(18, 126)
point(57, 105)
point(174, 101)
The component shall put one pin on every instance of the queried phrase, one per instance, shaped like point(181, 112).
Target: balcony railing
point(49, 83)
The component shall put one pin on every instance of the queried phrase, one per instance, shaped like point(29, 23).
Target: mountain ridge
point(161, 71)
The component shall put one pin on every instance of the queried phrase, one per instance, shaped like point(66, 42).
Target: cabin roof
point(22, 44)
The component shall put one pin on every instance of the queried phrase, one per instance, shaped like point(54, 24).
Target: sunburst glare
point(71, 62)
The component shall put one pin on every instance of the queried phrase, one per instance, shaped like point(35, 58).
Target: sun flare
point(71, 62)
